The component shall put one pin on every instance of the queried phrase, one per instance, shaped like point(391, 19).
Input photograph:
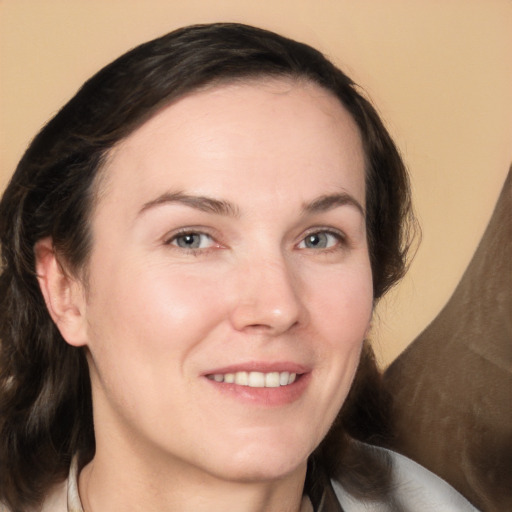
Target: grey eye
point(316, 240)
point(192, 241)
point(319, 240)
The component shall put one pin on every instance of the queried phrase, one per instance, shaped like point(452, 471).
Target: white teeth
point(256, 379)
point(242, 378)
point(272, 380)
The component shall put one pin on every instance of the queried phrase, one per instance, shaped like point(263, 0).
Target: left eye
point(192, 241)
point(319, 240)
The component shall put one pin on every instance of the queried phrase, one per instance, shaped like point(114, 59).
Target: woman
point(192, 251)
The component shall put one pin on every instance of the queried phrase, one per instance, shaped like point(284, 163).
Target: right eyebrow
point(202, 203)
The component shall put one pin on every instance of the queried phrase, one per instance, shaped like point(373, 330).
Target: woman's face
point(229, 285)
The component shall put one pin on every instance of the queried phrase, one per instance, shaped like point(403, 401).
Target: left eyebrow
point(328, 202)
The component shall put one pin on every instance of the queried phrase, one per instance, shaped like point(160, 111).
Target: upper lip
point(261, 366)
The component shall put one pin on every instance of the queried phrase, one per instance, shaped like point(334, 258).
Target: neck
point(108, 484)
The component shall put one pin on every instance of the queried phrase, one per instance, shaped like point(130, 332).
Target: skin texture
point(157, 318)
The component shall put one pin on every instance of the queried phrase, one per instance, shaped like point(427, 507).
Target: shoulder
point(64, 497)
point(414, 489)
point(55, 501)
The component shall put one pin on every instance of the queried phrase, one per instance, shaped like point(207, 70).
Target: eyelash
point(188, 232)
point(340, 237)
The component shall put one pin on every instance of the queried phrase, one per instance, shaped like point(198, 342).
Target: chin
point(265, 461)
point(264, 471)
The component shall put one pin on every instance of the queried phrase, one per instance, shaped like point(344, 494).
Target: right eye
point(192, 240)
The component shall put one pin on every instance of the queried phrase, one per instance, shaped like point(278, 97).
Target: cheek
point(342, 303)
point(143, 332)
point(153, 310)
point(341, 311)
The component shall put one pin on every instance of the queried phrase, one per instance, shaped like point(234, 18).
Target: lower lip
point(267, 397)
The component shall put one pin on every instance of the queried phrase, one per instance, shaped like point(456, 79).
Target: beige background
point(439, 71)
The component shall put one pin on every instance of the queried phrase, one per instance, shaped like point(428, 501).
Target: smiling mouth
point(256, 379)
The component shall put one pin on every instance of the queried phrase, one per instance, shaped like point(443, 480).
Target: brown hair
point(45, 397)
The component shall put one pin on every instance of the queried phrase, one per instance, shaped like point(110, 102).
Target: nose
point(268, 297)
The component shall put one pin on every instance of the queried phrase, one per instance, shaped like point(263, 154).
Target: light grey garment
point(415, 489)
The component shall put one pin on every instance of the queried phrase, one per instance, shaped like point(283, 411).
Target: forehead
point(258, 132)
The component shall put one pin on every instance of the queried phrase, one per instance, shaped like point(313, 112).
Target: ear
point(63, 294)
